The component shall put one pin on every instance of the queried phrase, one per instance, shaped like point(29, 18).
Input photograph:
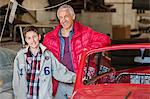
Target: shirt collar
point(43, 48)
point(30, 54)
point(70, 33)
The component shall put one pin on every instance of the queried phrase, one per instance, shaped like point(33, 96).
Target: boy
point(34, 67)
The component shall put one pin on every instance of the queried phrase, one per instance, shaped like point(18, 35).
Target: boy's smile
point(32, 38)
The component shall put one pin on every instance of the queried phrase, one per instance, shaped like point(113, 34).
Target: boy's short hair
point(30, 28)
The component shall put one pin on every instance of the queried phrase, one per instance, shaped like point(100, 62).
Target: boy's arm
point(60, 72)
point(15, 77)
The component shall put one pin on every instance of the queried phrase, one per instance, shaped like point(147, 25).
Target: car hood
point(115, 92)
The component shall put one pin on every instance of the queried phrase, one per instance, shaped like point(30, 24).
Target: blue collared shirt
point(62, 47)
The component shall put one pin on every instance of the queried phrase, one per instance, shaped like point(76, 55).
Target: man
point(34, 67)
point(68, 40)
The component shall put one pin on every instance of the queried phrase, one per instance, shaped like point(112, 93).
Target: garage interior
point(124, 21)
point(121, 20)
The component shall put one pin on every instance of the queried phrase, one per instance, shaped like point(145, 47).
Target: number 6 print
point(46, 71)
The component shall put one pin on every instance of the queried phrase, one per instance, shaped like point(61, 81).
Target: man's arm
point(98, 39)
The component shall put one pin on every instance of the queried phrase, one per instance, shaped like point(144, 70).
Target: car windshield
point(118, 66)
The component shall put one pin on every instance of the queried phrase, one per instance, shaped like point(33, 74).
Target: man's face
point(65, 18)
point(32, 39)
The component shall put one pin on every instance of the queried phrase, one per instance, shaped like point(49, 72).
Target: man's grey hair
point(64, 8)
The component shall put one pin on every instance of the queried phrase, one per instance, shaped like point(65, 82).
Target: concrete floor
point(6, 95)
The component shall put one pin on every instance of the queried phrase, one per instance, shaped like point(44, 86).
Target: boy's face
point(32, 39)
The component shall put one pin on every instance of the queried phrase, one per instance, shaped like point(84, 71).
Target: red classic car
point(115, 72)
